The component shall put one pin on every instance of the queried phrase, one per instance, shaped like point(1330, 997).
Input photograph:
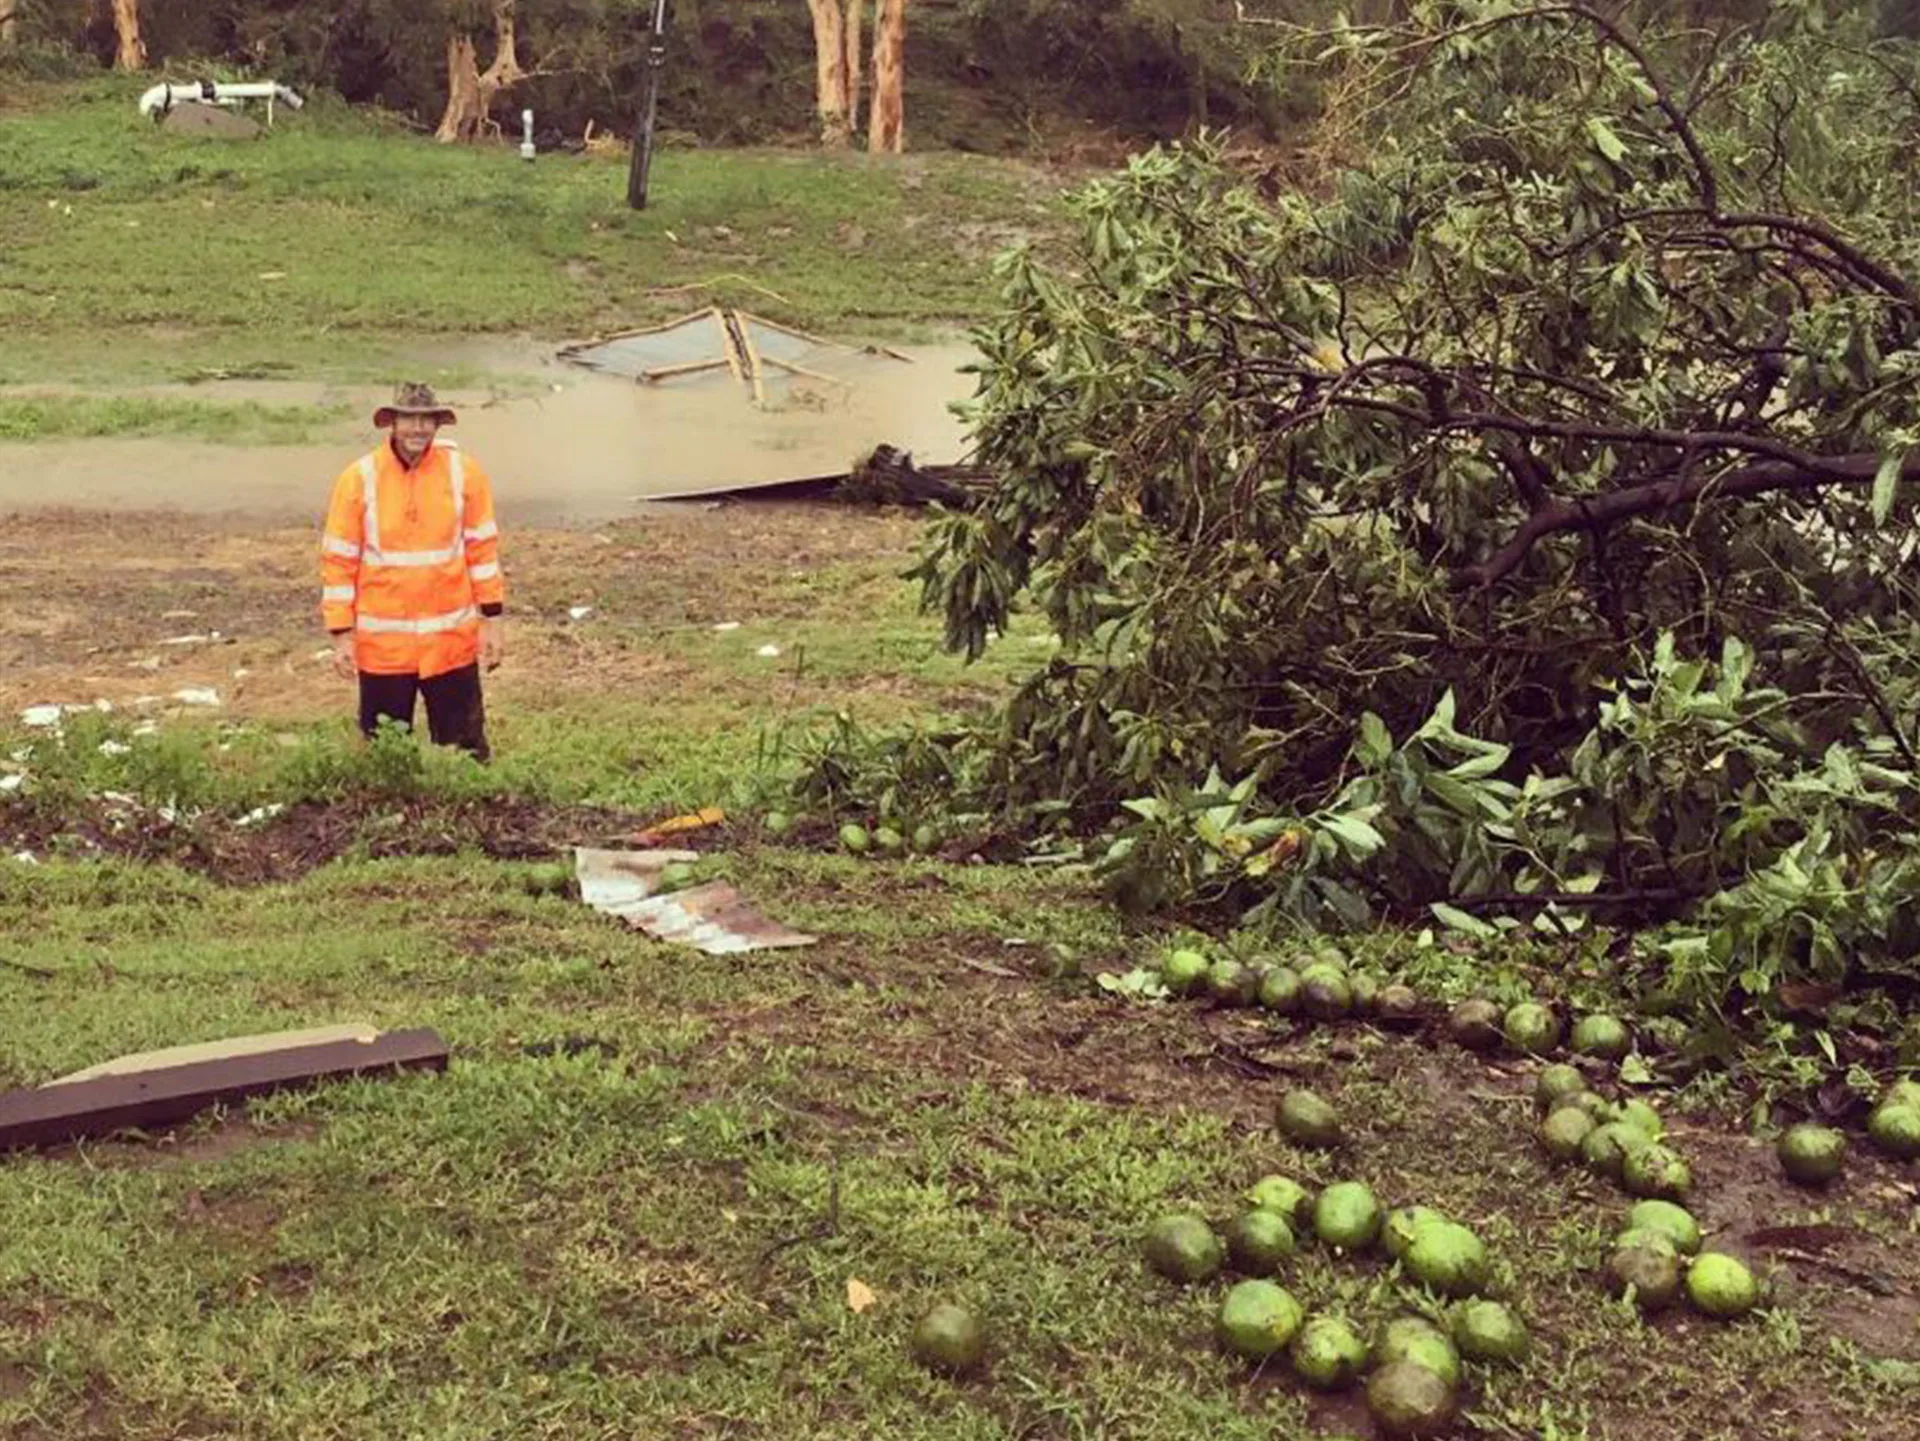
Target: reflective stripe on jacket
point(408, 560)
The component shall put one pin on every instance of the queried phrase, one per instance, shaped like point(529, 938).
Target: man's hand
point(343, 661)
point(493, 642)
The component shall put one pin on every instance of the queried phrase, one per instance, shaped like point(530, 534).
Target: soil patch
point(310, 835)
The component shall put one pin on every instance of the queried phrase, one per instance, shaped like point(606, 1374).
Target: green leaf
point(1605, 141)
point(1455, 919)
point(1356, 834)
point(1635, 1072)
point(1376, 742)
point(1886, 485)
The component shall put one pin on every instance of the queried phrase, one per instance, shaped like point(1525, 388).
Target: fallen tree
point(1517, 523)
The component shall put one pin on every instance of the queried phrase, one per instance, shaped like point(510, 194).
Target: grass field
point(115, 235)
point(634, 1205)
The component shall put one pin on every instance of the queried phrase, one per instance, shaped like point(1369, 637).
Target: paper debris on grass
point(579, 612)
point(769, 652)
point(41, 717)
point(197, 695)
point(713, 918)
point(115, 748)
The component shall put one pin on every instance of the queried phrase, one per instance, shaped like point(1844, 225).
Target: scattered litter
point(263, 815)
point(988, 968)
point(197, 695)
point(860, 1297)
point(105, 707)
point(768, 652)
point(727, 627)
point(115, 748)
point(580, 612)
point(41, 717)
point(210, 638)
point(26, 858)
point(702, 820)
point(241, 673)
point(141, 701)
point(152, 662)
point(147, 728)
point(179, 615)
point(712, 918)
point(322, 655)
point(10, 784)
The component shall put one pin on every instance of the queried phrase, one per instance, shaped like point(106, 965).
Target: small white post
point(527, 151)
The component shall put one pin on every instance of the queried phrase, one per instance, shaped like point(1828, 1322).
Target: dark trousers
point(456, 713)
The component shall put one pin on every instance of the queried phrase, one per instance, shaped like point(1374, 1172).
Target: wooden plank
point(754, 370)
point(687, 367)
point(150, 1100)
point(220, 1051)
point(735, 361)
point(801, 370)
point(751, 319)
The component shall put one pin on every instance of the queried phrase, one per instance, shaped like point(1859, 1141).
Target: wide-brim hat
point(410, 398)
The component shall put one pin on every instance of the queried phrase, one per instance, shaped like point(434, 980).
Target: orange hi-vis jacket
point(410, 560)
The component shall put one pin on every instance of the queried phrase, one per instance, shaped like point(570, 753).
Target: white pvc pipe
point(206, 92)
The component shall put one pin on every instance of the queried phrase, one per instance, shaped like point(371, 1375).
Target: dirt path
point(584, 450)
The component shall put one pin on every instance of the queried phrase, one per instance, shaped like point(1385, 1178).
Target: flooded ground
point(565, 446)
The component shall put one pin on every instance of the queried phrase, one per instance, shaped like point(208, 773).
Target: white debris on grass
point(768, 652)
point(197, 696)
point(263, 815)
point(580, 612)
point(41, 717)
point(115, 748)
point(727, 627)
point(12, 783)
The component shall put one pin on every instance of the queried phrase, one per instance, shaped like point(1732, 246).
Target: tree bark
point(9, 24)
point(830, 55)
point(887, 129)
point(130, 51)
point(856, 62)
point(470, 91)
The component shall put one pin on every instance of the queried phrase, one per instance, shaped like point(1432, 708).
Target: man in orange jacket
point(410, 572)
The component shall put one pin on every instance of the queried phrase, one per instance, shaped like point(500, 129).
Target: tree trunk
point(130, 52)
point(887, 128)
point(9, 24)
point(464, 110)
point(856, 62)
point(830, 55)
point(471, 92)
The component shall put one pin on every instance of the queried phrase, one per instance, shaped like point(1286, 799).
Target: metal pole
point(642, 164)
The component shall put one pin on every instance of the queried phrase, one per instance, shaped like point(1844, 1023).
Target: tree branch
point(1599, 512)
